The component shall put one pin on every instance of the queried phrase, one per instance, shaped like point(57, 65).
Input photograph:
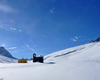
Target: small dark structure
point(37, 59)
point(22, 61)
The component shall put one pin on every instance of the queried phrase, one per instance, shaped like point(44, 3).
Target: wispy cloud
point(74, 38)
point(12, 48)
point(6, 8)
point(30, 47)
point(51, 10)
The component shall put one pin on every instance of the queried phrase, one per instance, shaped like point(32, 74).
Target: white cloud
point(3, 45)
point(52, 10)
point(12, 48)
point(6, 8)
point(74, 38)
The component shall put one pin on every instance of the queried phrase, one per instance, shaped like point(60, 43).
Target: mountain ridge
point(96, 40)
point(5, 53)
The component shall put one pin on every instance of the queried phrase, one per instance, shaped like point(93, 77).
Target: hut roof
point(22, 61)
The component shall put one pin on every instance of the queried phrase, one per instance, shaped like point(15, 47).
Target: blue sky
point(46, 26)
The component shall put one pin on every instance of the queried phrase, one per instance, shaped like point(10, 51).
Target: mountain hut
point(22, 61)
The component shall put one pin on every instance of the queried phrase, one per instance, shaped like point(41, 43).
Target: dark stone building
point(37, 59)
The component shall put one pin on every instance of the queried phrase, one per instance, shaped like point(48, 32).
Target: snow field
point(76, 63)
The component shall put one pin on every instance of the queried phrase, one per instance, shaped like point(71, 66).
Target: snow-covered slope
point(83, 52)
point(76, 63)
point(4, 59)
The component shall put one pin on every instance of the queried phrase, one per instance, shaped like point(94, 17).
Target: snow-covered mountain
point(96, 40)
point(5, 53)
point(5, 56)
point(76, 63)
